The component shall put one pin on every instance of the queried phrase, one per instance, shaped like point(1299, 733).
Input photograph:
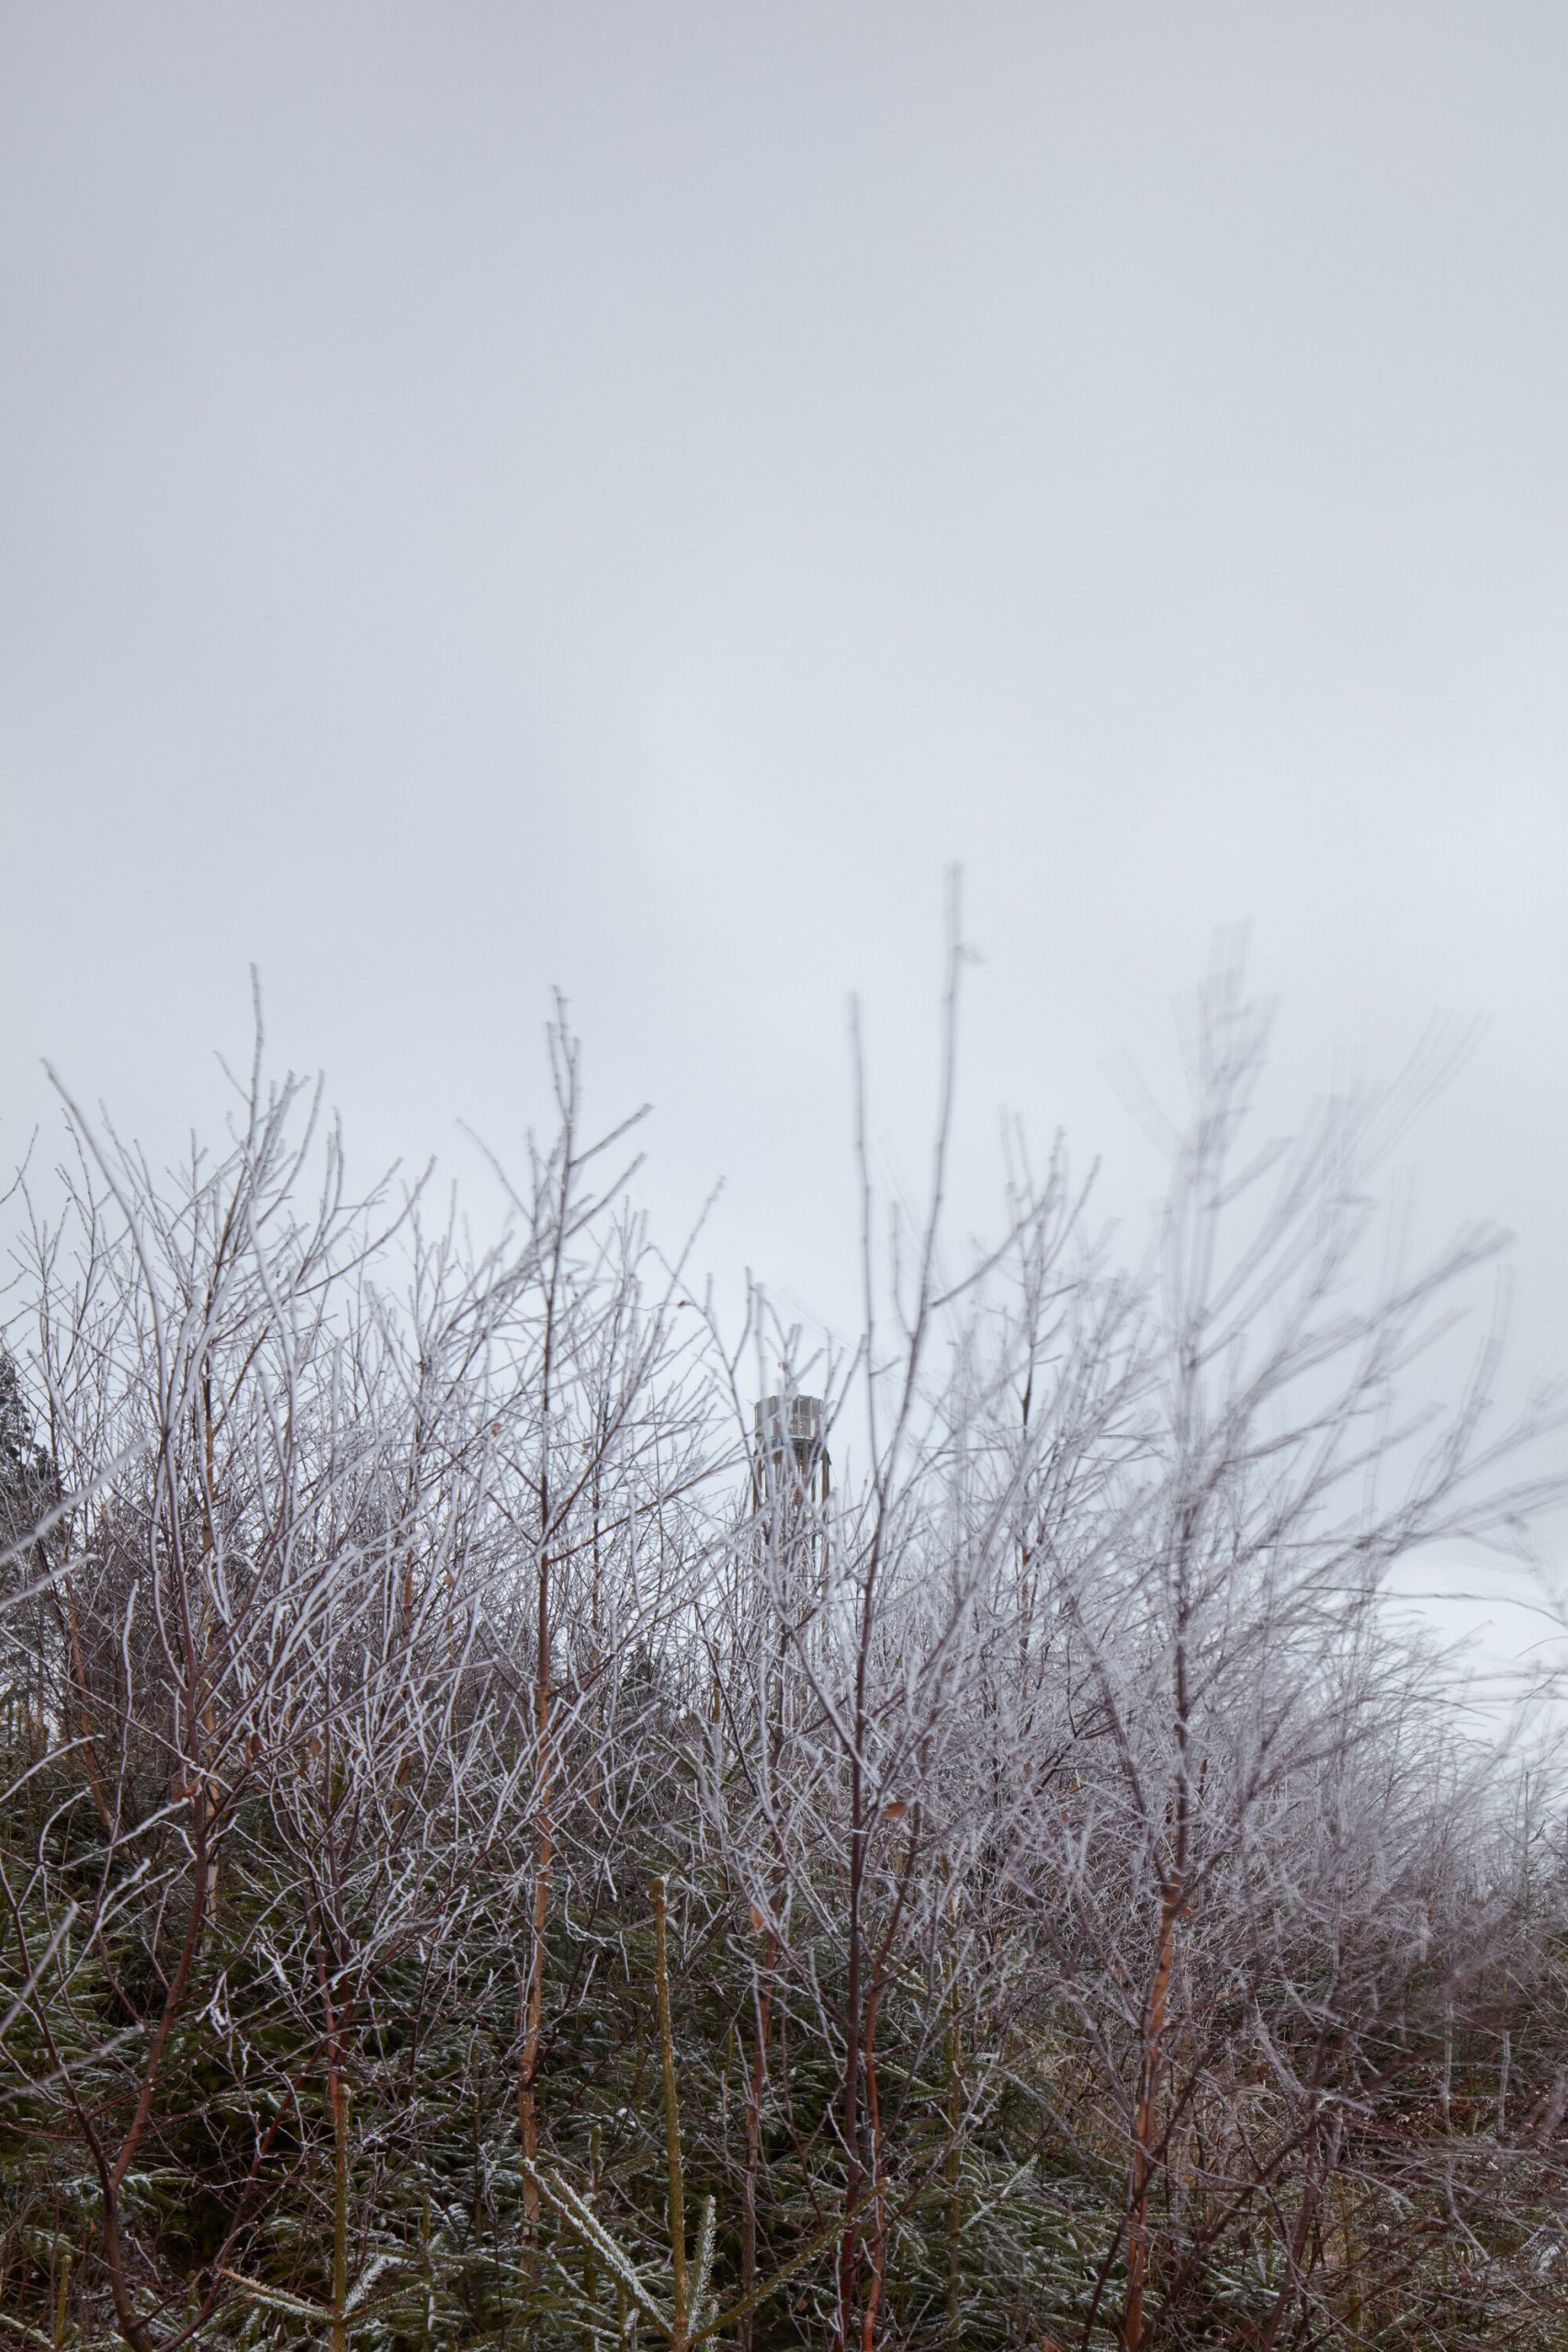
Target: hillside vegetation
point(504, 1845)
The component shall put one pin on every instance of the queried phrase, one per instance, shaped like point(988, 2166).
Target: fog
point(507, 498)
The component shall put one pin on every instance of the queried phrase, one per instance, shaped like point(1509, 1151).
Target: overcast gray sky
point(505, 496)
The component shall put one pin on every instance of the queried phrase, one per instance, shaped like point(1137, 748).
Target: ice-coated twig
point(586, 2226)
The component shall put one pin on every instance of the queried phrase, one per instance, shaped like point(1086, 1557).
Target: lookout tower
point(790, 1472)
point(789, 1458)
point(788, 1545)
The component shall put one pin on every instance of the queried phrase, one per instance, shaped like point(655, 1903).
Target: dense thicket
point(498, 1850)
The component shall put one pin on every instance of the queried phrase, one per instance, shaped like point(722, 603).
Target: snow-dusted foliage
point(498, 1849)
